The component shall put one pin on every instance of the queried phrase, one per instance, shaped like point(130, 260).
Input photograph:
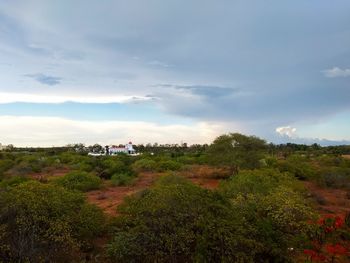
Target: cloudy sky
point(173, 70)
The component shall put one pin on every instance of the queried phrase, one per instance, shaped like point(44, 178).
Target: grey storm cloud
point(45, 79)
point(269, 62)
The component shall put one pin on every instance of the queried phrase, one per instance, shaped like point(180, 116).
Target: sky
point(172, 71)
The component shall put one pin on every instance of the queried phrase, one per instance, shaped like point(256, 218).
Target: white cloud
point(286, 131)
point(54, 131)
point(336, 72)
point(6, 97)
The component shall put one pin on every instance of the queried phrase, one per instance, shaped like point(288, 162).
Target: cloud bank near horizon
point(54, 131)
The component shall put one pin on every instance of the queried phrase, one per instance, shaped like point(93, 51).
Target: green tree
point(237, 151)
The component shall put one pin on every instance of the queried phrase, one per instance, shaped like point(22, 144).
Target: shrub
point(13, 181)
point(122, 179)
point(5, 165)
point(45, 223)
point(279, 221)
point(176, 221)
point(301, 170)
point(273, 204)
point(336, 177)
point(81, 181)
point(255, 182)
point(112, 165)
point(144, 165)
point(168, 165)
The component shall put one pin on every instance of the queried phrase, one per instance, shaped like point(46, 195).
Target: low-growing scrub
point(168, 165)
point(81, 181)
point(176, 221)
point(13, 181)
point(121, 179)
point(258, 182)
point(45, 223)
point(144, 165)
point(335, 177)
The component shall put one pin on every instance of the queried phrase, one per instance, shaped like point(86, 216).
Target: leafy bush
point(5, 165)
point(279, 220)
point(81, 181)
point(112, 165)
point(13, 181)
point(301, 170)
point(45, 223)
point(273, 204)
point(256, 182)
point(176, 221)
point(168, 165)
point(122, 179)
point(336, 177)
point(144, 165)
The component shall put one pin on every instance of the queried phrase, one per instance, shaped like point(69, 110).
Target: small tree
point(237, 151)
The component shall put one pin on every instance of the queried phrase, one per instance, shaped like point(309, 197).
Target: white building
point(127, 149)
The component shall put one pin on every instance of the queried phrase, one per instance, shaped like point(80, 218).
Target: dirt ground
point(110, 197)
point(334, 201)
point(50, 172)
point(346, 156)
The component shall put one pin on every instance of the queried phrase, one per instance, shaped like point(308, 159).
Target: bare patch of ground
point(50, 172)
point(330, 200)
point(109, 198)
point(346, 156)
point(206, 176)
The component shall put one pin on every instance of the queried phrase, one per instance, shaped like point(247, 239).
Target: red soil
point(111, 197)
point(51, 172)
point(206, 182)
point(335, 200)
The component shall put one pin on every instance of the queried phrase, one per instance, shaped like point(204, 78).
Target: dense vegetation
point(260, 212)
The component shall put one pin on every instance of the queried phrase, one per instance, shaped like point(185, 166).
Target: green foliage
point(168, 165)
point(5, 165)
point(176, 221)
point(113, 165)
point(45, 223)
point(13, 181)
point(81, 181)
point(300, 168)
point(144, 165)
point(337, 177)
point(328, 171)
point(256, 182)
point(237, 150)
point(274, 206)
point(120, 179)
